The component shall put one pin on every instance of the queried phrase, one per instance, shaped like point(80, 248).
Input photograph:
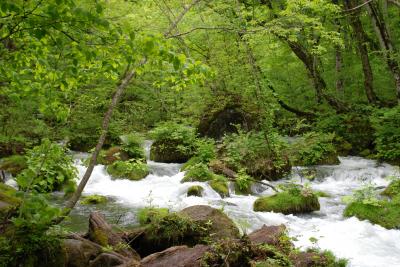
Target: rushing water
point(363, 243)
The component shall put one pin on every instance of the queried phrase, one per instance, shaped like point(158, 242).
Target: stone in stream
point(222, 227)
point(271, 235)
point(195, 190)
point(178, 256)
point(168, 152)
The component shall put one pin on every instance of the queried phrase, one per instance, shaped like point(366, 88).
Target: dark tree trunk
point(385, 42)
point(338, 70)
point(359, 35)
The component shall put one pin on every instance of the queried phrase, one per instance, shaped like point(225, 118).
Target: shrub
point(132, 169)
point(243, 183)
point(198, 172)
point(132, 144)
point(49, 169)
point(151, 215)
point(261, 154)
point(171, 132)
point(387, 133)
point(313, 149)
point(393, 188)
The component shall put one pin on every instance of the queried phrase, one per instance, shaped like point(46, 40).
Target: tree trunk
point(129, 74)
point(385, 42)
point(363, 50)
point(338, 70)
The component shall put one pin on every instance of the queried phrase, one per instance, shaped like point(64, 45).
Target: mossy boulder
point(222, 227)
point(93, 200)
point(114, 154)
point(169, 152)
point(165, 230)
point(8, 201)
point(148, 215)
point(385, 213)
point(132, 170)
point(287, 203)
point(220, 185)
point(392, 189)
point(198, 172)
point(14, 164)
point(195, 190)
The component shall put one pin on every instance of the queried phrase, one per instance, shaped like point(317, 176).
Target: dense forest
point(199, 133)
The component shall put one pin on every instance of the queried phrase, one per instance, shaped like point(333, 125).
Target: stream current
point(362, 243)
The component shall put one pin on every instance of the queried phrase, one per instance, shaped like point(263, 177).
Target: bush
point(132, 169)
point(261, 155)
point(314, 149)
point(353, 131)
point(132, 144)
point(294, 199)
point(387, 134)
point(183, 137)
point(243, 183)
point(49, 169)
point(393, 188)
point(198, 172)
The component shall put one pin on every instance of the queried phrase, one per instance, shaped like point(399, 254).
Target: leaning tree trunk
point(385, 42)
point(129, 74)
point(363, 50)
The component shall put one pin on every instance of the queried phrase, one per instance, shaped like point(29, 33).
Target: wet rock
point(79, 253)
point(132, 170)
point(179, 256)
point(101, 233)
point(113, 154)
point(195, 190)
point(267, 168)
point(218, 167)
point(271, 235)
point(220, 186)
point(113, 260)
point(222, 227)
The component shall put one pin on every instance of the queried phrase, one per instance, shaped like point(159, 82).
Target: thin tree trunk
point(129, 74)
point(385, 42)
point(363, 51)
point(338, 70)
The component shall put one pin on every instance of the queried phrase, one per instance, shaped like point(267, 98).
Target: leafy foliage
point(132, 144)
point(132, 169)
point(387, 133)
point(49, 169)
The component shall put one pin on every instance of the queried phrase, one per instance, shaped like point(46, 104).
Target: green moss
point(387, 214)
point(93, 199)
point(132, 170)
point(198, 172)
point(190, 163)
point(322, 194)
point(195, 190)
point(148, 215)
point(393, 189)
point(287, 203)
point(8, 200)
point(13, 164)
point(220, 185)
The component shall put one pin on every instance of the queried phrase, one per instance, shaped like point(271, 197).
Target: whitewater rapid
point(362, 243)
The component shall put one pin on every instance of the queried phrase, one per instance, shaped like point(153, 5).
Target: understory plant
point(132, 144)
point(49, 168)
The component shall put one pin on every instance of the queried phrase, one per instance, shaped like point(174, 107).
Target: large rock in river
point(168, 152)
point(222, 226)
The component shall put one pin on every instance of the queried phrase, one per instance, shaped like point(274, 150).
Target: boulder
point(271, 235)
point(132, 170)
point(267, 168)
point(179, 256)
point(168, 152)
point(113, 260)
point(195, 190)
point(222, 227)
point(113, 154)
point(218, 167)
point(220, 186)
point(79, 253)
point(101, 233)
point(287, 203)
